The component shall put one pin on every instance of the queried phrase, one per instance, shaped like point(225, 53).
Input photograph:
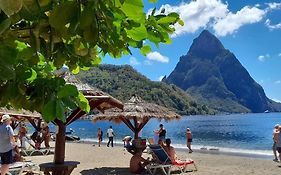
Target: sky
point(251, 29)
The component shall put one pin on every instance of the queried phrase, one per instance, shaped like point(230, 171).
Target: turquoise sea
point(237, 134)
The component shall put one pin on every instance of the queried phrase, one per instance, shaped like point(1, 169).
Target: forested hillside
point(123, 81)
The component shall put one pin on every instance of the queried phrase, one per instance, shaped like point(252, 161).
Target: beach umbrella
point(139, 112)
point(34, 118)
point(97, 100)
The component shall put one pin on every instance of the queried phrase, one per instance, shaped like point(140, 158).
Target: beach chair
point(162, 161)
point(22, 168)
point(31, 150)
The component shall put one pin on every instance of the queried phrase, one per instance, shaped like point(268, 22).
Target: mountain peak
point(206, 45)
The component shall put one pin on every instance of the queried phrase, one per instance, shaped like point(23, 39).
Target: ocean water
point(239, 133)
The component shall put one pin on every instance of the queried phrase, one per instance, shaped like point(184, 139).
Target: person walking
point(275, 133)
point(7, 143)
point(278, 142)
point(99, 136)
point(189, 139)
point(110, 135)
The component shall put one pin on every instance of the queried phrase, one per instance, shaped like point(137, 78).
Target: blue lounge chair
point(164, 162)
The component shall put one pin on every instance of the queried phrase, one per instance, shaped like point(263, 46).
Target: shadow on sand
point(106, 171)
point(117, 171)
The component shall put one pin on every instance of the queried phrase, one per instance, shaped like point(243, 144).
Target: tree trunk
point(60, 143)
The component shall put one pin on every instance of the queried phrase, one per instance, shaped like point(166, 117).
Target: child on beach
point(189, 139)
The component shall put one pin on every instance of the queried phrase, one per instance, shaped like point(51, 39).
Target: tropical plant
point(38, 37)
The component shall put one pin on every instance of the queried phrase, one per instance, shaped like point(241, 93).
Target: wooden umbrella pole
point(136, 128)
point(60, 143)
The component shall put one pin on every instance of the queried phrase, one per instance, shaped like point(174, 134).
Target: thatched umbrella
point(139, 111)
point(97, 100)
point(34, 118)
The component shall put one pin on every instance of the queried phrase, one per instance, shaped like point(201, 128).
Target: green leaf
point(5, 25)
point(145, 49)
point(20, 45)
point(153, 1)
point(83, 103)
point(154, 37)
point(76, 70)
point(10, 7)
point(96, 61)
point(68, 90)
point(49, 111)
point(62, 14)
point(167, 20)
point(181, 22)
point(87, 17)
point(33, 76)
point(137, 33)
point(133, 9)
point(60, 111)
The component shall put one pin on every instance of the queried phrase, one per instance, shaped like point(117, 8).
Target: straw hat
point(5, 117)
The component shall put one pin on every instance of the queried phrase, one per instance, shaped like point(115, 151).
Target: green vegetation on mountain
point(123, 81)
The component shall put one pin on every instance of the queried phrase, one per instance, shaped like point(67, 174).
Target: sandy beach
point(104, 160)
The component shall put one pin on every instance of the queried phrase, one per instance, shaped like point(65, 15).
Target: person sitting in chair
point(128, 144)
point(138, 163)
point(170, 150)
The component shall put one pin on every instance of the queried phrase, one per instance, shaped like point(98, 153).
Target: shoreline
point(259, 154)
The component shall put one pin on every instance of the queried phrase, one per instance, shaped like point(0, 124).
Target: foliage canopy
point(38, 37)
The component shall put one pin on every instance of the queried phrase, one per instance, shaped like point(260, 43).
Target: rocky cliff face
point(213, 74)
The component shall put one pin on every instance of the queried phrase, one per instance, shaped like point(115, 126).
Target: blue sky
point(251, 29)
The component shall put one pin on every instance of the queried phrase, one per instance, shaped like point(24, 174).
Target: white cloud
point(156, 56)
point(279, 54)
point(134, 61)
point(215, 14)
point(262, 58)
point(160, 78)
point(277, 82)
point(147, 62)
point(273, 6)
point(196, 14)
point(233, 21)
point(272, 26)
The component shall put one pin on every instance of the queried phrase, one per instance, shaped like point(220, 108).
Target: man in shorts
point(7, 143)
point(189, 139)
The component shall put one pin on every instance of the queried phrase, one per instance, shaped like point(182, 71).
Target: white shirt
point(110, 132)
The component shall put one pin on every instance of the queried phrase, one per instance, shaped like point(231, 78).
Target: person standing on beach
point(110, 135)
point(162, 133)
point(275, 133)
point(189, 139)
point(7, 143)
point(99, 135)
point(278, 142)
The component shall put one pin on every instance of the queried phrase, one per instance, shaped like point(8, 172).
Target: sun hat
point(5, 117)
